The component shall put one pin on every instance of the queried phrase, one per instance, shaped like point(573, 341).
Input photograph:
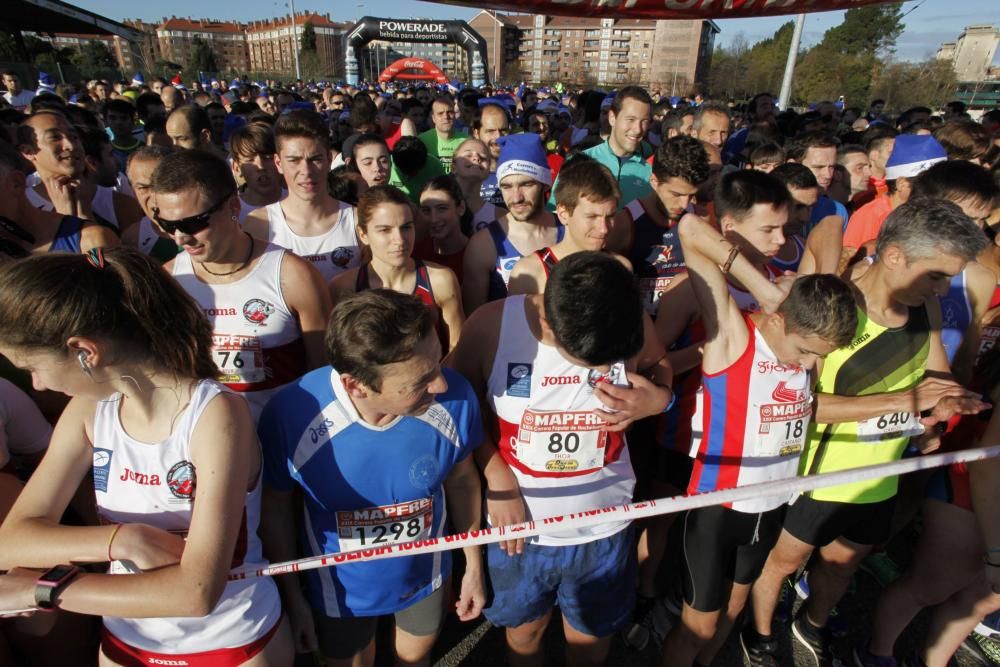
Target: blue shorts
point(593, 583)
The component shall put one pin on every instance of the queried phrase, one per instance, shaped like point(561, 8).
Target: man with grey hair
point(711, 124)
point(890, 384)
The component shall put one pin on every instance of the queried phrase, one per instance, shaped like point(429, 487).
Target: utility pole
point(295, 42)
point(793, 54)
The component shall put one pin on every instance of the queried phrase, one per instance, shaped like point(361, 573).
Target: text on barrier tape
point(630, 511)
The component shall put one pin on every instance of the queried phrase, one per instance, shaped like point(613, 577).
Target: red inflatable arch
point(425, 71)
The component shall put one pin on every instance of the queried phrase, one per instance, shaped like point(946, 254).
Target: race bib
point(240, 359)
point(652, 289)
point(561, 442)
point(385, 525)
point(782, 428)
point(889, 427)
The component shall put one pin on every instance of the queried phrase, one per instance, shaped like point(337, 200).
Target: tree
point(308, 38)
point(847, 60)
point(904, 85)
point(94, 56)
point(201, 58)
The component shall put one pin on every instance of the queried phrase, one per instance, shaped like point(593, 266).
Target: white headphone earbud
point(82, 358)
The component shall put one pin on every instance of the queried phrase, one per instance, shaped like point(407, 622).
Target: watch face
point(57, 573)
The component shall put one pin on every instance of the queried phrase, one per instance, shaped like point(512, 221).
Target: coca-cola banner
point(425, 71)
point(412, 30)
point(664, 9)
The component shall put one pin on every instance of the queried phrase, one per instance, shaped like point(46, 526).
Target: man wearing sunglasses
point(309, 222)
point(267, 307)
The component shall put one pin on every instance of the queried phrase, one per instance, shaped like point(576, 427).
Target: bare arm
point(306, 294)
point(823, 247)
point(464, 499)
point(524, 277)
point(480, 261)
point(99, 236)
point(447, 296)
point(226, 456)
point(676, 311)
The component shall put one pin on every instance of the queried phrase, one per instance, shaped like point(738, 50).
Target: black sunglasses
point(190, 225)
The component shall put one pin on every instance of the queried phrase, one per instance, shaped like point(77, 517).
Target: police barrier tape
point(630, 511)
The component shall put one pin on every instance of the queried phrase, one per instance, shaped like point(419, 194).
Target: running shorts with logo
point(878, 360)
point(753, 417)
point(366, 487)
point(564, 462)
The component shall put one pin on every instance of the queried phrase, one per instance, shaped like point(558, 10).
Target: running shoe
point(786, 603)
point(983, 649)
point(837, 622)
point(650, 623)
point(816, 641)
point(882, 568)
point(758, 650)
point(865, 658)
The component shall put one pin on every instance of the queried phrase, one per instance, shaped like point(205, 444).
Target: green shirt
point(442, 149)
point(412, 185)
point(632, 172)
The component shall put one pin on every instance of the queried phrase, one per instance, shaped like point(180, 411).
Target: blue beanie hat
point(913, 154)
point(523, 154)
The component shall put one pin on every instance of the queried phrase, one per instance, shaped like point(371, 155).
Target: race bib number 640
point(890, 426)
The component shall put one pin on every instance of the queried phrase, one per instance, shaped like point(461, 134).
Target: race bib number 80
point(385, 525)
point(555, 442)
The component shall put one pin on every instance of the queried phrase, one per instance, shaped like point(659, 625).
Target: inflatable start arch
point(409, 30)
point(427, 71)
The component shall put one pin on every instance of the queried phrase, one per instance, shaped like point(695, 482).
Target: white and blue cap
point(913, 154)
point(46, 83)
point(138, 80)
point(523, 154)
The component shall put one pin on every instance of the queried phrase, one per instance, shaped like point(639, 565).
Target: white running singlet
point(154, 483)
point(332, 253)
point(257, 342)
point(103, 203)
point(549, 435)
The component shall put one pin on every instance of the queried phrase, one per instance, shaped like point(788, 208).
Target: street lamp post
point(295, 42)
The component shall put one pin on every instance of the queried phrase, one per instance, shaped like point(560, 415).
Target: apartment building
point(270, 43)
point(227, 40)
point(972, 55)
point(668, 56)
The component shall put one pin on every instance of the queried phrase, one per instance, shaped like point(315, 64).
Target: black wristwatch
point(52, 581)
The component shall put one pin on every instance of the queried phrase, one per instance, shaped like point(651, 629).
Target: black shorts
point(341, 638)
point(674, 469)
point(721, 546)
point(819, 522)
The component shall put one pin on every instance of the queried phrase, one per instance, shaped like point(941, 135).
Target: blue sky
point(930, 22)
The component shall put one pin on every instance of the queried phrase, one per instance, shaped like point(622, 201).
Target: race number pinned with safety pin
point(240, 359)
point(890, 426)
point(385, 525)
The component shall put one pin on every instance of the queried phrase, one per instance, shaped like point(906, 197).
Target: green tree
point(201, 58)
point(94, 56)
point(308, 38)
point(849, 57)
point(903, 85)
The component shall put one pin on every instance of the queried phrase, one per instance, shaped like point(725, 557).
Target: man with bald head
point(172, 98)
point(189, 127)
point(490, 123)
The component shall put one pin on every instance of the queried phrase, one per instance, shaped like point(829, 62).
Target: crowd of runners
point(245, 323)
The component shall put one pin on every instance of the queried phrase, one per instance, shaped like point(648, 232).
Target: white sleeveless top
point(332, 253)
point(103, 203)
point(257, 341)
point(486, 215)
point(549, 434)
point(138, 482)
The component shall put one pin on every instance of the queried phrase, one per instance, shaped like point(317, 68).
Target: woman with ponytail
point(175, 460)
